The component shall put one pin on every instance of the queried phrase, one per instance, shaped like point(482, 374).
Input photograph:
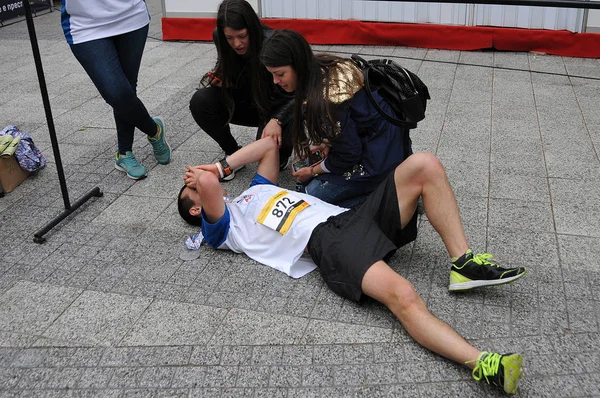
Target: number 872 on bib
point(281, 210)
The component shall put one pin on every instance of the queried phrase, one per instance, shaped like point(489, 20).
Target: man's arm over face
point(265, 151)
point(209, 189)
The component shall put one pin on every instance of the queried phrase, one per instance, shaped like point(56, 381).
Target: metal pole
point(38, 236)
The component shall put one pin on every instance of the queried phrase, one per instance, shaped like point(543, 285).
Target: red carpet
point(556, 42)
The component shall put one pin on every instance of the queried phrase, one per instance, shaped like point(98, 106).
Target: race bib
point(281, 210)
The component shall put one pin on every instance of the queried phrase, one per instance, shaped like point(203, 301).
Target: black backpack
point(402, 89)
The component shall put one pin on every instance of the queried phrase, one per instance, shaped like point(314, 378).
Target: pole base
point(38, 237)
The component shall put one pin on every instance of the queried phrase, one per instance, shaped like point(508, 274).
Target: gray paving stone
point(348, 375)
point(358, 353)
point(31, 307)
point(221, 376)
point(238, 392)
point(157, 377)
point(285, 376)
point(241, 327)
point(297, 355)
point(9, 378)
point(536, 216)
point(253, 376)
point(322, 332)
point(329, 354)
point(205, 393)
point(206, 355)
point(97, 319)
point(126, 377)
point(271, 392)
point(168, 323)
point(530, 133)
point(132, 210)
point(534, 250)
point(574, 206)
point(236, 355)
point(189, 377)
point(317, 376)
point(95, 378)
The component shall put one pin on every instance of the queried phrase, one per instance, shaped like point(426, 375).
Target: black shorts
point(347, 245)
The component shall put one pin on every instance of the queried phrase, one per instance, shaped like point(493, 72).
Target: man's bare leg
point(422, 174)
point(386, 286)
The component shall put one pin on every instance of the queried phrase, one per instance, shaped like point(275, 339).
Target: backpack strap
point(365, 67)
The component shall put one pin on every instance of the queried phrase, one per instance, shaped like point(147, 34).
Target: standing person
point(108, 40)
point(240, 90)
point(333, 112)
point(276, 227)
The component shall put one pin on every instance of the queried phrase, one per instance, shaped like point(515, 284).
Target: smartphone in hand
point(312, 160)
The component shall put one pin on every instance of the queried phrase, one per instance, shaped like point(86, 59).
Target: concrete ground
point(106, 307)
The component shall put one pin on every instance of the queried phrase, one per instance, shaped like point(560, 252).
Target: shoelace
point(159, 145)
point(483, 259)
point(486, 367)
point(130, 161)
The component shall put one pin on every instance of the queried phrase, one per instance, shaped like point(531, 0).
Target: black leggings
point(211, 115)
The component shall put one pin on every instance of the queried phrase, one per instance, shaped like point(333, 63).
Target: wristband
point(226, 168)
point(276, 120)
point(312, 171)
point(220, 169)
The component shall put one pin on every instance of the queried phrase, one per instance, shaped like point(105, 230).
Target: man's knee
point(406, 298)
point(421, 165)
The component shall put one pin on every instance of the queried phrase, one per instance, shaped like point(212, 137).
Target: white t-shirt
point(244, 234)
point(85, 20)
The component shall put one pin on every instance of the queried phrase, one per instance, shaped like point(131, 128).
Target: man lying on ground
point(275, 226)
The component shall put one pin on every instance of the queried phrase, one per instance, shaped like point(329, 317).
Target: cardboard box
point(11, 174)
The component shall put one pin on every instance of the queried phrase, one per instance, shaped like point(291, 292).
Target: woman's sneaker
point(160, 146)
point(503, 371)
point(130, 165)
point(478, 270)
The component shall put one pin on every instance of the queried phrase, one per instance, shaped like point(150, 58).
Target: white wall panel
point(593, 21)
point(529, 17)
point(387, 11)
point(195, 8)
point(379, 11)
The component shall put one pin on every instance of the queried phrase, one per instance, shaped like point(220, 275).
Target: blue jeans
point(113, 64)
point(347, 195)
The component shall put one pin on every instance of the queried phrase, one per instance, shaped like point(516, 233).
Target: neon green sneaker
point(10, 149)
point(5, 141)
point(503, 371)
point(160, 146)
point(130, 165)
point(478, 270)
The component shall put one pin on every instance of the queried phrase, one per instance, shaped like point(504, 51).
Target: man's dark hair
point(184, 204)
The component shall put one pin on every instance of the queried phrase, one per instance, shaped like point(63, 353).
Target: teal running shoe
point(160, 146)
point(130, 165)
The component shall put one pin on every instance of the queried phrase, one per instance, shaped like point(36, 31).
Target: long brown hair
point(289, 48)
point(238, 15)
